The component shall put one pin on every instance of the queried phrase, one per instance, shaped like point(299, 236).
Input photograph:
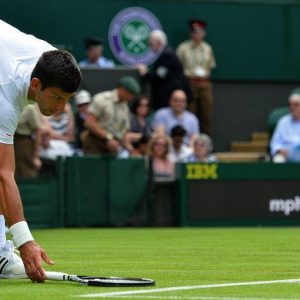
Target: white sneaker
point(11, 265)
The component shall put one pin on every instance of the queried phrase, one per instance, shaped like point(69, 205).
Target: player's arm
point(10, 201)
point(12, 209)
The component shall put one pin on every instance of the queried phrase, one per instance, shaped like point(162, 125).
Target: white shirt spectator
point(56, 148)
point(180, 156)
point(287, 137)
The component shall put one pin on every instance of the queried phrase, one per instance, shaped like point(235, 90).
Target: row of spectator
point(106, 124)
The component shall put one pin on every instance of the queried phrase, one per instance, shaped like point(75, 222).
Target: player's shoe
point(11, 265)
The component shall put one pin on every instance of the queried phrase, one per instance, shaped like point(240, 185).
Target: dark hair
point(178, 130)
point(58, 68)
point(137, 102)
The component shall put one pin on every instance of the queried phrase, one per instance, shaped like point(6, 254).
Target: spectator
point(167, 74)
point(51, 149)
point(94, 52)
point(108, 118)
point(82, 100)
point(140, 149)
point(198, 60)
point(158, 150)
point(176, 114)
point(203, 147)
point(139, 124)
point(62, 125)
point(285, 143)
point(27, 143)
point(178, 150)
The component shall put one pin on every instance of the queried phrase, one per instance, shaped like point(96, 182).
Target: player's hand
point(33, 255)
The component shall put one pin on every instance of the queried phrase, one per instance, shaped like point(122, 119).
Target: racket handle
point(56, 276)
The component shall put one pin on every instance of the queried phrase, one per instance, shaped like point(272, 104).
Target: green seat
point(274, 117)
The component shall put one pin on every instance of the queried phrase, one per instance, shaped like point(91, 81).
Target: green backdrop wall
point(253, 40)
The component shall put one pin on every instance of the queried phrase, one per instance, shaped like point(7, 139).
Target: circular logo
point(128, 36)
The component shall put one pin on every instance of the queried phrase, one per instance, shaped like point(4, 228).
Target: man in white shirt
point(285, 143)
point(29, 69)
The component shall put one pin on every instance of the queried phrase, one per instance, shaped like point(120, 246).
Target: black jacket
point(167, 75)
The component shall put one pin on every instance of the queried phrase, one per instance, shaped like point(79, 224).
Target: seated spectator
point(285, 143)
point(94, 52)
point(178, 150)
point(203, 147)
point(140, 148)
point(158, 150)
point(139, 124)
point(61, 125)
point(27, 142)
point(108, 118)
point(176, 114)
point(82, 100)
point(51, 149)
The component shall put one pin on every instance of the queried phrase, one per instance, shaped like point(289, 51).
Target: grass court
point(174, 258)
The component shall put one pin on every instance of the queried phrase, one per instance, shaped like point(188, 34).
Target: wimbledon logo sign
point(128, 35)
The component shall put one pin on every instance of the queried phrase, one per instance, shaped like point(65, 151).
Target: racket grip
point(56, 276)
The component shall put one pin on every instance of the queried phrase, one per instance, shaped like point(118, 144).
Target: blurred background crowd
point(170, 123)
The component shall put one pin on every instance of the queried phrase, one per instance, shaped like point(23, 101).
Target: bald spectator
point(176, 114)
point(167, 74)
point(198, 61)
point(27, 141)
point(108, 118)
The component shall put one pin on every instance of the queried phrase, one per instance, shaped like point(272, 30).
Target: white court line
point(202, 298)
point(185, 288)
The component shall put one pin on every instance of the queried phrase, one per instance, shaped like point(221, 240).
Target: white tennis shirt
point(19, 53)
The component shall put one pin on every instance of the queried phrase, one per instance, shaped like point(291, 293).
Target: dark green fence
point(103, 191)
point(85, 191)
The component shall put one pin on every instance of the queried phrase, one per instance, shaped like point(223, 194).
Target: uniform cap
point(130, 84)
point(197, 25)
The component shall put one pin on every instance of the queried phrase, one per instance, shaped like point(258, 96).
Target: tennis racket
point(99, 281)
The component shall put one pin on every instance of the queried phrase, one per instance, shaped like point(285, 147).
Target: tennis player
point(30, 69)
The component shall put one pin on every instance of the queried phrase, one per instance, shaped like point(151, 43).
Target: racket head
point(115, 281)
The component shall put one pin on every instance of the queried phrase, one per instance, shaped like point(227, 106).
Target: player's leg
point(11, 264)
point(2, 231)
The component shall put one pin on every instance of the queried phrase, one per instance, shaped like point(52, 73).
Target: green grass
point(173, 257)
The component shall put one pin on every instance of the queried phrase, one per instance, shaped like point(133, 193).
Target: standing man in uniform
point(29, 69)
point(167, 73)
point(198, 60)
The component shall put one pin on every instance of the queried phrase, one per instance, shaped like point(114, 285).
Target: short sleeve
point(9, 115)
point(96, 106)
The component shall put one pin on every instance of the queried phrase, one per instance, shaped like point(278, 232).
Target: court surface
point(208, 264)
